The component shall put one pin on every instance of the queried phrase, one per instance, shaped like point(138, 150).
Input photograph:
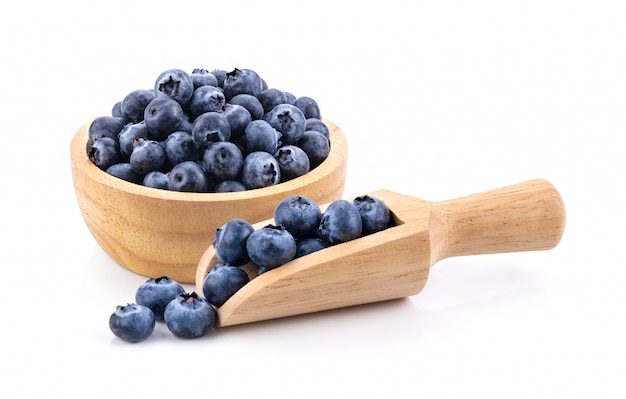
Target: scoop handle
point(529, 216)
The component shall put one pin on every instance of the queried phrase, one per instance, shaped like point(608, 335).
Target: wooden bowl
point(157, 233)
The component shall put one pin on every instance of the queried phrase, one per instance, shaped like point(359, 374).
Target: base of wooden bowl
point(157, 233)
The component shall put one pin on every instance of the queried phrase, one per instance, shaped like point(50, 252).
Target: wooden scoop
point(395, 263)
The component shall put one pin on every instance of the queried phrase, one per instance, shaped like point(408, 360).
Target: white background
point(437, 99)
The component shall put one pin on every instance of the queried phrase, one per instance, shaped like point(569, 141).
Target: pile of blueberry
point(204, 131)
point(300, 228)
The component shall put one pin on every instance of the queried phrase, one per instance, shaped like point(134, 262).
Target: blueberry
point(230, 242)
point(220, 75)
point(116, 110)
point(189, 316)
point(340, 222)
point(299, 215)
point(147, 155)
point(106, 126)
point(316, 146)
point(293, 162)
point(310, 245)
point(135, 103)
point(317, 125)
point(374, 213)
point(180, 147)
point(176, 84)
point(223, 160)
point(156, 293)
point(289, 98)
point(206, 99)
point(259, 135)
point(242, 81)
point(132, 323)
point(187, 176)
point(104, 152)
point(202, 77)
point(238, 118)
point(163, 116)
point(309, 107)
point(270, 98)
point(260, 169)
point(156, 179)
point(131, 132)
point(210, 127)
point(229, 186)
point(271, 246)
point(289, 120)
point(251, 103)
point(222, 282)
point(124, 171)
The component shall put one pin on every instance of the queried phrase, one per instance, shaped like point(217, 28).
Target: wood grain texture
point(164, 233)
point(395, 263)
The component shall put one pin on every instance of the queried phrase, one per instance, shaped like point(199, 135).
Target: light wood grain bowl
point(157, 233)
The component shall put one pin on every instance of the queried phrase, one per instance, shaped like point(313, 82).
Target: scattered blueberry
point(242, 81)
point(189, 316)
point(156, 293)
point(129, 134)
point(270, 98)
point(132, 323)
point(222, 282)
point(318, 125)
point(251, 103)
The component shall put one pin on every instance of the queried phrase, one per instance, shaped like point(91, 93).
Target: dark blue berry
point(340, 222)
point(163, 116)
point(270, 98)
point(316, 146)
point(104, 152)
point(242, 81)
point(131, 132)
point(310, 245)
point(289, 120)
point(222, 282)
point(230, 242)
point(147, 155)
point(309, 107)
point(229, 186)
point(207, 99)
point(210, 127)
point(135, 103)
point(202, 77)
point(106, 126)
point(271, 246)
point(293, 161)
point(375, 214)
point(156, 293)
point(223, 160)
point(180, 147)
point(251, 103)
point(187, 176)
point(156, 179)
point(317, 125)
point(189, 316)
point(124, 171)
point(176, 84)
point(132, 323)
point(259, 135)
point(260, 169)
point(299, 215)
